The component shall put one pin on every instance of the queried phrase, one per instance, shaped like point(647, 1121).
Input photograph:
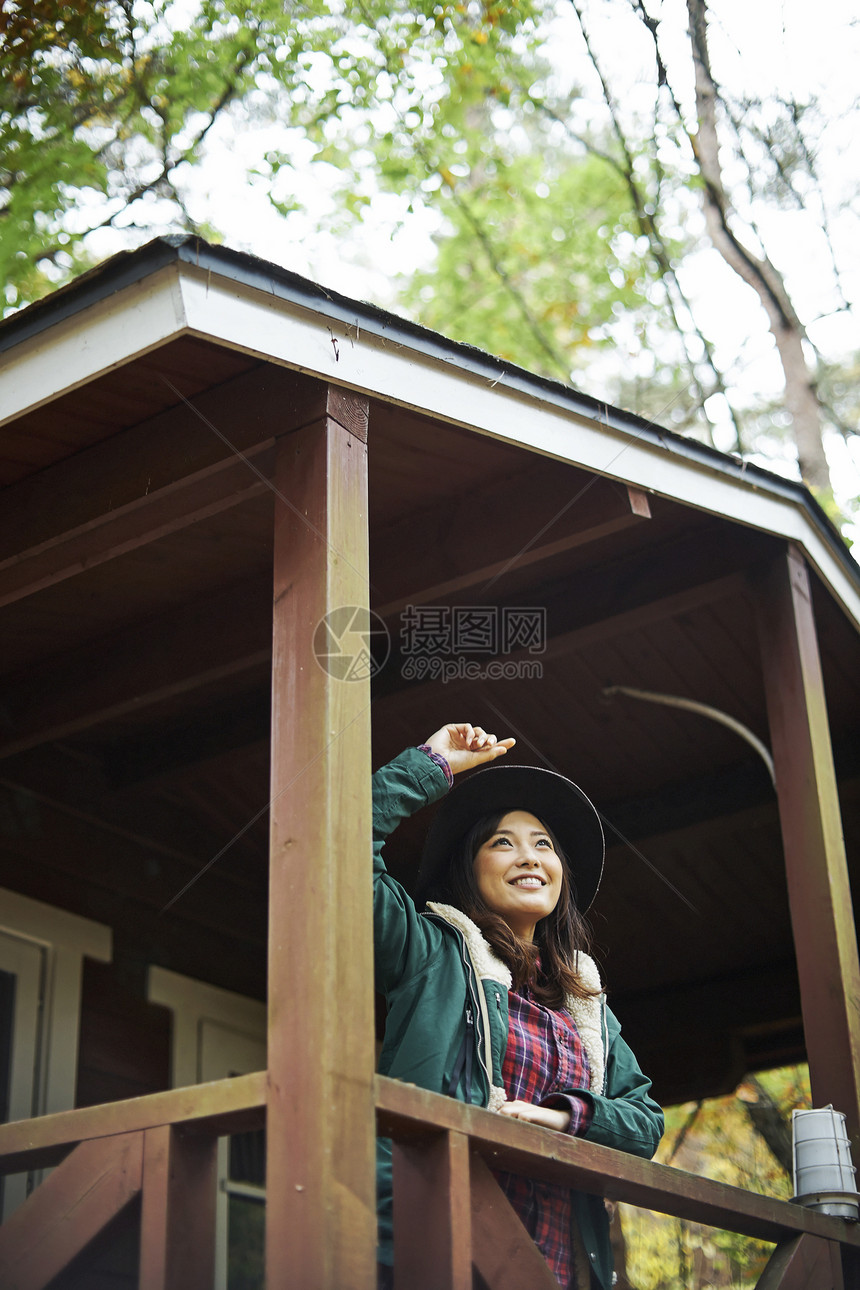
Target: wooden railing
point(443, 1152)
point(450, 1213)
point(160, 1150)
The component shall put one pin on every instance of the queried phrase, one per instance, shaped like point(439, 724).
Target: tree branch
point(169, 163)
point(647, 222)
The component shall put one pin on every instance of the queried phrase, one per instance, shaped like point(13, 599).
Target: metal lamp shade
point(824, 1175)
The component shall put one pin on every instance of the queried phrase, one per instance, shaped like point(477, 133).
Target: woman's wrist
point(548, 1117)
point(578, 1109)
point(441, 762)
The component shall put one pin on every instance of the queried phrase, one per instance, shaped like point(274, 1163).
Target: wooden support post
point(502, 1250)
point(432, 1214)
point(803, 1263)
point(818, 889)
point(69, 1210)
point(321, 1220)
point(177, 1225)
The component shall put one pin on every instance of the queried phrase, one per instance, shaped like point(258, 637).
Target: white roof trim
point(76, 350)
point(302, 339)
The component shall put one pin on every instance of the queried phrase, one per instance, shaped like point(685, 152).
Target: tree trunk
point(801, 400)
point(771, 1123)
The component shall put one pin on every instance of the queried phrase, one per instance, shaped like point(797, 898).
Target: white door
point(24, 964)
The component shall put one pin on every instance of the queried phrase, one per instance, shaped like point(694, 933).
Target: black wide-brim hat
point(498, 789)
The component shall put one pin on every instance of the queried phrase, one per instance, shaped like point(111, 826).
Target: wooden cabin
point(255, 538)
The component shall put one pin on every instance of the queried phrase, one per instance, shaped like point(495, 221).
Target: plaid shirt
point(545, 1054)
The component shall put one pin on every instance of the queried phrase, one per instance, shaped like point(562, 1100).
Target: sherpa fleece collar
point(587, 1013)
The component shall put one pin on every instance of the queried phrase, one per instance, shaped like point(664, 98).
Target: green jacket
point(447, 1024)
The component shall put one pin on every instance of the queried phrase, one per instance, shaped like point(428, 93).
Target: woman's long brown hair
point(545, 966)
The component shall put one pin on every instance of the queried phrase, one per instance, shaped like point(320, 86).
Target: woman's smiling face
point(518, 873)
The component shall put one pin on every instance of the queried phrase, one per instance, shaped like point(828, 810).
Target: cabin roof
point(136, 602)
point(270, 283)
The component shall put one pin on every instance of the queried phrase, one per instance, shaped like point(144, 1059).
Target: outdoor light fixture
point(823, 1171)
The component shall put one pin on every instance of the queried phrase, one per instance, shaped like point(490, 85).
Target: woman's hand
point(549, 1117)
point(464, 746)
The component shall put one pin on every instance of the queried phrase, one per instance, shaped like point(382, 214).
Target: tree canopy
point(586, 163)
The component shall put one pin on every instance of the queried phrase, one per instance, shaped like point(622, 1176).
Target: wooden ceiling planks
point(654, 744)
point(410, 460)
point(98, 874)
point(123, 397)
point(699, 673)
point(168, 825)
point(673, 657)
point(24, 452)
point(584, 737)
point(190, 765)
point(725, 630)
point(167, 654)
point(151, 580)
point(740, 915)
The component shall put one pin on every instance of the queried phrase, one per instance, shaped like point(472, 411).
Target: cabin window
point(217, 1034)
point(244, 1186)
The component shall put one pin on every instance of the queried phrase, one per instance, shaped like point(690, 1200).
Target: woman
point(491, 996)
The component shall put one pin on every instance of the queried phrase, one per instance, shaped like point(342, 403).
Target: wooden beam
point(502, 1250)
point(432, 1214)
point(803, 1263)
point(819, 893)
point(68, 1211)
point(152, 458)
point(691, 805)
point(731, 797)
point(573, 622)
point(61, 840)
point(226, 635)
point(121, 505)
point(220, 1107)
point(405, 1112)
point(223, 637)
point(542, 512)
point(629, 581)
point(155, 516)
point(594, 631)
point(177, 1225)
point(695, 1039)
point(321, 1205)
point(201, 739)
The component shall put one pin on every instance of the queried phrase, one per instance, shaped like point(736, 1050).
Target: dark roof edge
point(122, 270)
point(129, 267)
